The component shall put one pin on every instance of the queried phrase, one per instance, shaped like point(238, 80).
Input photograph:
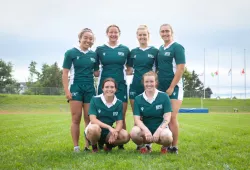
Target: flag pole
point(218, 74)
point(204, 73)
point(231, 74)
point(245, 72)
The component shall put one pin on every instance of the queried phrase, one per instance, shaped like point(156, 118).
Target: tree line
point(49, 81)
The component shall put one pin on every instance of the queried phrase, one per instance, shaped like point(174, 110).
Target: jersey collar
point(107, 44)
point(144, 49)
point(154, 97)
point(105, 102)
point(168, 45)
point(78, 48)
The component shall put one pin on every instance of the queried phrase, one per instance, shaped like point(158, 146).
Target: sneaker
point(174, 150)
point(77, 149)
point(143, 150)
point(164, 150)
point(86, 149)
point(108, 147)
point(149, 148)
point(121, 147)
point(138, 148)
point(94, 148)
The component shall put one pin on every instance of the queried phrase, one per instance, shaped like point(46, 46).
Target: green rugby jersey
point(142, 61)
point(152, 113)
point(81, 65)
point(103, 112)
point(113, 61)
point(168, 58)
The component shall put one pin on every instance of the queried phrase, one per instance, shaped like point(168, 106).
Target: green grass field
point(41, 139)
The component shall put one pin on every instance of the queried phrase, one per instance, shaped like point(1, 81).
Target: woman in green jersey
point(81, 63)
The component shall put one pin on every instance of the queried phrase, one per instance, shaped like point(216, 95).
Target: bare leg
point(86, 119)
point(76, 112)
point(94, 133)
point(166, 138)
point(136, 135)
point(174, 125)
point(125, 105)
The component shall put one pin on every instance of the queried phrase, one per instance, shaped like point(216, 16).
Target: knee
point(76, 120)
point(94, 130)
point(166, 137)
point(135, 132)
point(124, 136)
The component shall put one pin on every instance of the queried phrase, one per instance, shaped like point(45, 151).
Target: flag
point(216, 73)
point(212, 74)
point(230, 72)
point(242, 72)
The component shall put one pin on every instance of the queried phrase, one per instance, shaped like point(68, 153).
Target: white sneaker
point(77, 149)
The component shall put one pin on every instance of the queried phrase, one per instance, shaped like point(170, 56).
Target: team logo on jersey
point(121, 53)
point(134, 56)
point(115, 113)
point(150, 56)
point(74, 93)
point(142, 108)
point(132, 93)
point(158, 107)
point(77, 57)
point(174, 94)
point(92, 59)
point(103, 54)
point(125, 97)
point(99, 110)
point(167, 53)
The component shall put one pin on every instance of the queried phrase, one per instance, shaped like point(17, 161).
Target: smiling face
point(142, 36)
point(113, 34)
point(86, 40)
point(166, 33)
point(109, 88)
point(149, 83)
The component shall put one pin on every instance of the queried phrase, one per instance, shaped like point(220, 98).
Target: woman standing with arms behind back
point(113, 58)
point(170, 66)
point(80, 61)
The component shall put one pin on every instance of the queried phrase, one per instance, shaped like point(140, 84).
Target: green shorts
point(82, 92)
point(135, 89)
point(121, 92)
point(177, 93)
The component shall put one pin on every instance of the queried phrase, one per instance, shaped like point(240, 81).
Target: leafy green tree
point(7, 83)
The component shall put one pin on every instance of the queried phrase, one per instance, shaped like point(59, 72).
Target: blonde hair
point(150, 73)
point(107, 30)
point(142, 27)
point(168, 26)
point(84, 31)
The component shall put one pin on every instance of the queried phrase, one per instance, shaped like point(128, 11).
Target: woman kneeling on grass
point(155, 109)
point(104, 110)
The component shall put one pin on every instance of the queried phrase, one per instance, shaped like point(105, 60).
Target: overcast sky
point(42, 30)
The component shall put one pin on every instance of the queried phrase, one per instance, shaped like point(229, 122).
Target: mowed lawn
point(42, 140)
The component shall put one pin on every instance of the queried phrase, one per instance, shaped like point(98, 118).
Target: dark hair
point(107, 30)
point(109, 79)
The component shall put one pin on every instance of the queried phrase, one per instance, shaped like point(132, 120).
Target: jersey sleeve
point(92, 108)
point(120, 114)
point(167, 104)
point(130, 61)
point(136, 109)
point(180, 55)
point(97, 58)
point(67, 62)
point(96, 64)
point(128, 56)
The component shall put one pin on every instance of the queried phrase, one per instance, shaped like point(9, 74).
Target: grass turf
point(43, 141)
